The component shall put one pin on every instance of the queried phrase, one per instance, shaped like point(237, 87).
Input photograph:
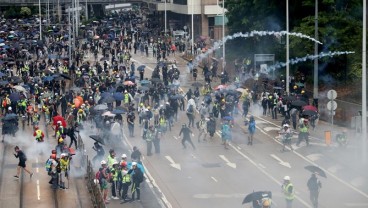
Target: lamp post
point(39, 11)
point(315, 74)
point(192, 50)
point(223, 35)
point(87, 10)
point(287, 49)
point(165, 17)
point(364, 83)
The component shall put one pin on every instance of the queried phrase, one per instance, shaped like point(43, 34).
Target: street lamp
point(192, 27)
point(364, 83)
point(39, 10)
point(287, 49)
point(165, 16)
point(315, 74)
point(223, 35)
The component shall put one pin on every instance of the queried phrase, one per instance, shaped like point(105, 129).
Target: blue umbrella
point(141, 67)
point(1, 40)
point(2, 74)
point(118, 111)
point(105, 94)
point(14, 96)
point(48, 78)
point(3, 83)
point(143, 82)
point(118, 96)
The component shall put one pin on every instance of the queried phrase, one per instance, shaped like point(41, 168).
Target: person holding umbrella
point(314, 186)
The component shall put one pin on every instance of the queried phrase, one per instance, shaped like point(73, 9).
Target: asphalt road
point(211, 176)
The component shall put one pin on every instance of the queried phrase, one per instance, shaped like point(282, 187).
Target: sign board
point(331, 94)
point(264, 57)
point(73, 9)
point(331, 105)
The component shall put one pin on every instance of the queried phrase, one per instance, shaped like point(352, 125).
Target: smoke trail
point(306, 58)
point(218, 44)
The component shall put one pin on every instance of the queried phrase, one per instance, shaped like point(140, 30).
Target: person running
point(251, 130)
point(22, 162)
point(186, 136)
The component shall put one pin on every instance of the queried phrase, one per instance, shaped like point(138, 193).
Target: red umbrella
point(129, 83)
point(310, 107)
point(220, 87)
point(59, 118)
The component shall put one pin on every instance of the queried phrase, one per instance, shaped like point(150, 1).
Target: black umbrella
point(3, 83)
point(298, 103)
point(156, 80)
point(176, 97)
point(257, 196)
point(141, 68)
point(75, 89)
point(289, 98)
point(66, 76)
point(315, 169)
point(97, 138)
point(58, 78)
point(143, 88)
point(309, 113)
point(10, 117)
point(104, 59)
point(14, 96)
point(197, 84)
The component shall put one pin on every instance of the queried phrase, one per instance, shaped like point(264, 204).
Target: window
point(181, 2)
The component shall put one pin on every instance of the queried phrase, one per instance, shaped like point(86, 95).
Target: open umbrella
point(59, 79)
point(277, 88)
point(129, 83)
point(97, 138)
point(220, 87)
point(309, 113)
point(47, 78)
point(310, 107)
point(109, 99)
point(141, 67)
point(66, 76)
point(19, 88)
point(315, 169)
point(176, 97)
point(156, 80)
point(256, 196)
point(144, 82)
point(143, 88)
point(104, 59)
point(298, 103)
point(241, 90)
point(108, 114)
point(118, 96)
point(10, 117)
point(289, 98)
point(76, 89)
point(3, 83)
point(197, 84)
point(100, 107)
point(57, 118)
point(14, 96)
point(119, 111)
point(229, 118)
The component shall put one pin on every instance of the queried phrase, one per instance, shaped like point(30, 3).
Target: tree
point(25, 12)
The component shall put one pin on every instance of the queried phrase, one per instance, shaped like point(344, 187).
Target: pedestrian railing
point(93, 188)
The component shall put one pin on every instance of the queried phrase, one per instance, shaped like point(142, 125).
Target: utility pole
point(70, 39)
point(192, 27)
point(364, 84)
point(39, 12)
point(287, 50)
point(223, 35)
point(86, 10)
point(315, 74)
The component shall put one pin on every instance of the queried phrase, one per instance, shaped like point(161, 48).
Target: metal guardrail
point(93, 188)
point(36, 2)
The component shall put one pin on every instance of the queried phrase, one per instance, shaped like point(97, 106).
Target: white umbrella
point(108, 114)
point(241, 90)
point(20, 88)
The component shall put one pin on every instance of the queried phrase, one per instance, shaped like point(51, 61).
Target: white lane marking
point(334, 168)
point(175, 137)
point(37, 169)
point(213, 178)
point(261, 165)
point(164, 200)
point(38, 190)
point(281, 162)
point(267, 174)
point(172, 163)
point(233, 165)
point(271, 128)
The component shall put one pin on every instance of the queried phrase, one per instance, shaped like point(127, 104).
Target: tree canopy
point(339, 29)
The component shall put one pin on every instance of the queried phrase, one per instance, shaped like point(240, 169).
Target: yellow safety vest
point(126, 98)
point(110, 161)
point(288, 195)
point(126, 178)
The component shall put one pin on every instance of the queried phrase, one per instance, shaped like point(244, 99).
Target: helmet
point(116, 163)
point(59, 122)
point(61, 140)
point(123, 156)
point(63, 155)
point(103, 162)
point(134, 163)
point(287, 178)
point(286, 125)
point(10, 108)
